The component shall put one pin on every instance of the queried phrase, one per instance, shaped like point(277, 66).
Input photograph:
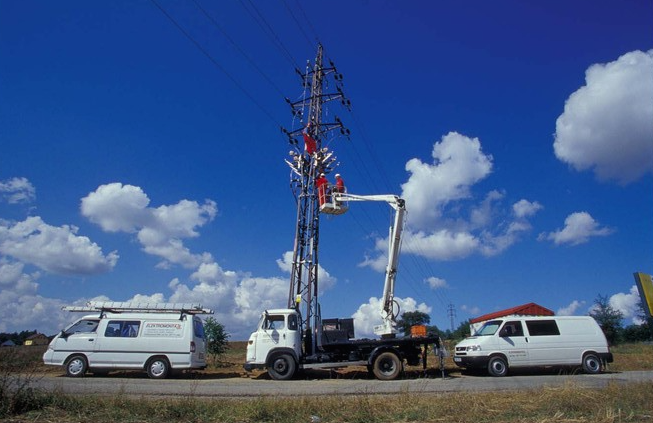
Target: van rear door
point(198, 354)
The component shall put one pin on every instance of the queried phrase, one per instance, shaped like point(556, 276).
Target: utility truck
point(280, 346)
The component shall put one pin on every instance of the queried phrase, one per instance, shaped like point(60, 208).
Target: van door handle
point(284, 336)
point(91, 340)
point(526, 339)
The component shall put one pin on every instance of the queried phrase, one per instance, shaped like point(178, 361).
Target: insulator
point(347, 131)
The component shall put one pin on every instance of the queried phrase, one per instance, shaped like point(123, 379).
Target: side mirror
point(63, 334)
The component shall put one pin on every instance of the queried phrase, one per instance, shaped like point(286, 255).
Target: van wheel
point(282, 367)
point(592, 364)
point(76, 366)
point(387, 366)
point(158, 368)
point(497, 366)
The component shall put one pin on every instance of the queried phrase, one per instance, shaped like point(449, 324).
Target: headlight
point(474, 348)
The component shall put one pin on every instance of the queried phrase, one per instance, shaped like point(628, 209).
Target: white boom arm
point(399, 205)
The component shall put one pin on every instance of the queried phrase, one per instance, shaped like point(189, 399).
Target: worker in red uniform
point(321, 183)
point(340, 184)
point(310, 145)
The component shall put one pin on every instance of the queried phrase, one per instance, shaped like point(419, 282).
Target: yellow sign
point(645, 287)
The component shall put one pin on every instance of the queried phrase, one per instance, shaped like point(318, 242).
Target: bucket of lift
point(334, 206)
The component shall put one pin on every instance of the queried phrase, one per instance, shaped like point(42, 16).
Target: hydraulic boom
point(338, 205)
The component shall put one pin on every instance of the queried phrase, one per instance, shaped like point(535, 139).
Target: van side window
point(512, 329)
point(122, 329)
point(542, 327)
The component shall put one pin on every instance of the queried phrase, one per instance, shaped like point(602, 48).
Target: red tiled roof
point(530, 309)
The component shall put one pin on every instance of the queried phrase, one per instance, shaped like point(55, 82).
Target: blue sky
point(142, 162)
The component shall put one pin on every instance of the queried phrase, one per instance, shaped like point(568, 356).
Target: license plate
point(457, 359)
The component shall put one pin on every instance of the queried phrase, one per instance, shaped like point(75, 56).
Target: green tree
point(411, 318)
point(609, 318)
point(217, 339)
point(641, 332)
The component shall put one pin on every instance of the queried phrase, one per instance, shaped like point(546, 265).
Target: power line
point(308, 40)
point(237, 47)
point(263, 23)
point(214, 61)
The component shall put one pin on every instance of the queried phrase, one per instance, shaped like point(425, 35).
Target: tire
point(592, 364)
point(387, 366)
point(497, 366)
point(76, 366)
point(158, 368)
point(282, 367)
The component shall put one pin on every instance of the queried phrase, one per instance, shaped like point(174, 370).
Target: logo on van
point(163, 330)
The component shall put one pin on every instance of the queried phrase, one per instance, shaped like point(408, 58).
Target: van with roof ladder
point(157, 338)
point(529, 341)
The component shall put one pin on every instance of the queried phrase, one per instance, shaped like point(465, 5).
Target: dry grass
point(616, 403)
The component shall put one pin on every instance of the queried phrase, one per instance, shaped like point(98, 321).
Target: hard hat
point(321, 174)
point(337, 175)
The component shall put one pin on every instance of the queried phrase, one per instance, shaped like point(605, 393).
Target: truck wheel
point(387, 366)
point(497, 366)
point(591, 364)
point(282, 367)
point(76, 366)
point(158, 368)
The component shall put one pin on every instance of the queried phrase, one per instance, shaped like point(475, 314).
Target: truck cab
point(276, 344)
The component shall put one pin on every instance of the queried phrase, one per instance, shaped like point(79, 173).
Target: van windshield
point(82, 326)
point(489, 328)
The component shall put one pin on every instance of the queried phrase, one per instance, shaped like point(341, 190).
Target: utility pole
point(452, 314)
point(306, 166)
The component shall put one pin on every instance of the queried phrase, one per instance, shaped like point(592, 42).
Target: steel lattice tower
point(305, 169)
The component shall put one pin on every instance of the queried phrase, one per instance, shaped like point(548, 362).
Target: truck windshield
point(489, 328)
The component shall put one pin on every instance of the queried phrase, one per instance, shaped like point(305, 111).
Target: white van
point(157, 338)
point(523, 341)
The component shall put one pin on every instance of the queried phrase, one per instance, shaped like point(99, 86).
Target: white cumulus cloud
point(579, 228)
point(607, 125)
point(570, 310)
point(17, 190)
point(53, 249)
point(368, 315)
point(436, 283)
point(525, 208)
point(458, 163)
point(125, 208)
point(627, 303)
point(444, 221)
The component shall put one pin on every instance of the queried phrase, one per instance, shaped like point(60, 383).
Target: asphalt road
point(244, 387)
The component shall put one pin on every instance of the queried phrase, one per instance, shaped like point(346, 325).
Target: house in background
point(8, 343)
point(37, 339)
point(530, 309)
